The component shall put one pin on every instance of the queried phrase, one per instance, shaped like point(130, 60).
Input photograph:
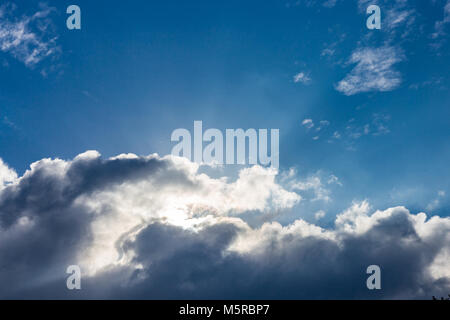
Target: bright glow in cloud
point(139, 224)
point(7, 175)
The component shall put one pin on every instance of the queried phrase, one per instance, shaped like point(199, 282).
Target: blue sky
point(363, 115)
point(135, 72)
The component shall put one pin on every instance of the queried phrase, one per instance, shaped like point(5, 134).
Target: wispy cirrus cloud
point(312, 3)
point(308, 123)
point(29, 39)
point(352, 131)
point(329, 3)
point(302, 77)
point(374, 71)
point(440, 25)
point(7, 175)
point(395, 13)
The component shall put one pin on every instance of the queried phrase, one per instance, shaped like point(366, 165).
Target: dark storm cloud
point(182, 264)
point(44, 230)
point(43, 193)
point(41, 227)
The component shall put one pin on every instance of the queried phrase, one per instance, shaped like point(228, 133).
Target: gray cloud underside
point(45, 227)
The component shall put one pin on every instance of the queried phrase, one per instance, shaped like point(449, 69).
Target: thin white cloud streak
point(302, 77)
point(440, 25)
point(374, 71)
point(330, 3)
point(27, 39)
point(308, 123)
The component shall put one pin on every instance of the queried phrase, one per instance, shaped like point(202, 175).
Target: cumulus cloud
point(28, 39)
point(7, 175)
point(316, 185)
point(373, 71)
point(155, 227)
point(125, 191)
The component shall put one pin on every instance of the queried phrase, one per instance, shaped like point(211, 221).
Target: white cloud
point(156, 227)
point(397, 17)
point(333, 179)
point(440, 25)
point(27, 39)
point(358, 221)
point(308, 123)
point(189, 199)
point(355, 219)
point(302, 77)
point(373, 72)
point(319, 214)
point(7, 175)
point(327, 52)
point(313, 183)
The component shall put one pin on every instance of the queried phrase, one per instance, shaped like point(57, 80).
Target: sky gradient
point(364, 120)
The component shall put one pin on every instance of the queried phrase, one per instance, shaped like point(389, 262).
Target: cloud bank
point(156, 227)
